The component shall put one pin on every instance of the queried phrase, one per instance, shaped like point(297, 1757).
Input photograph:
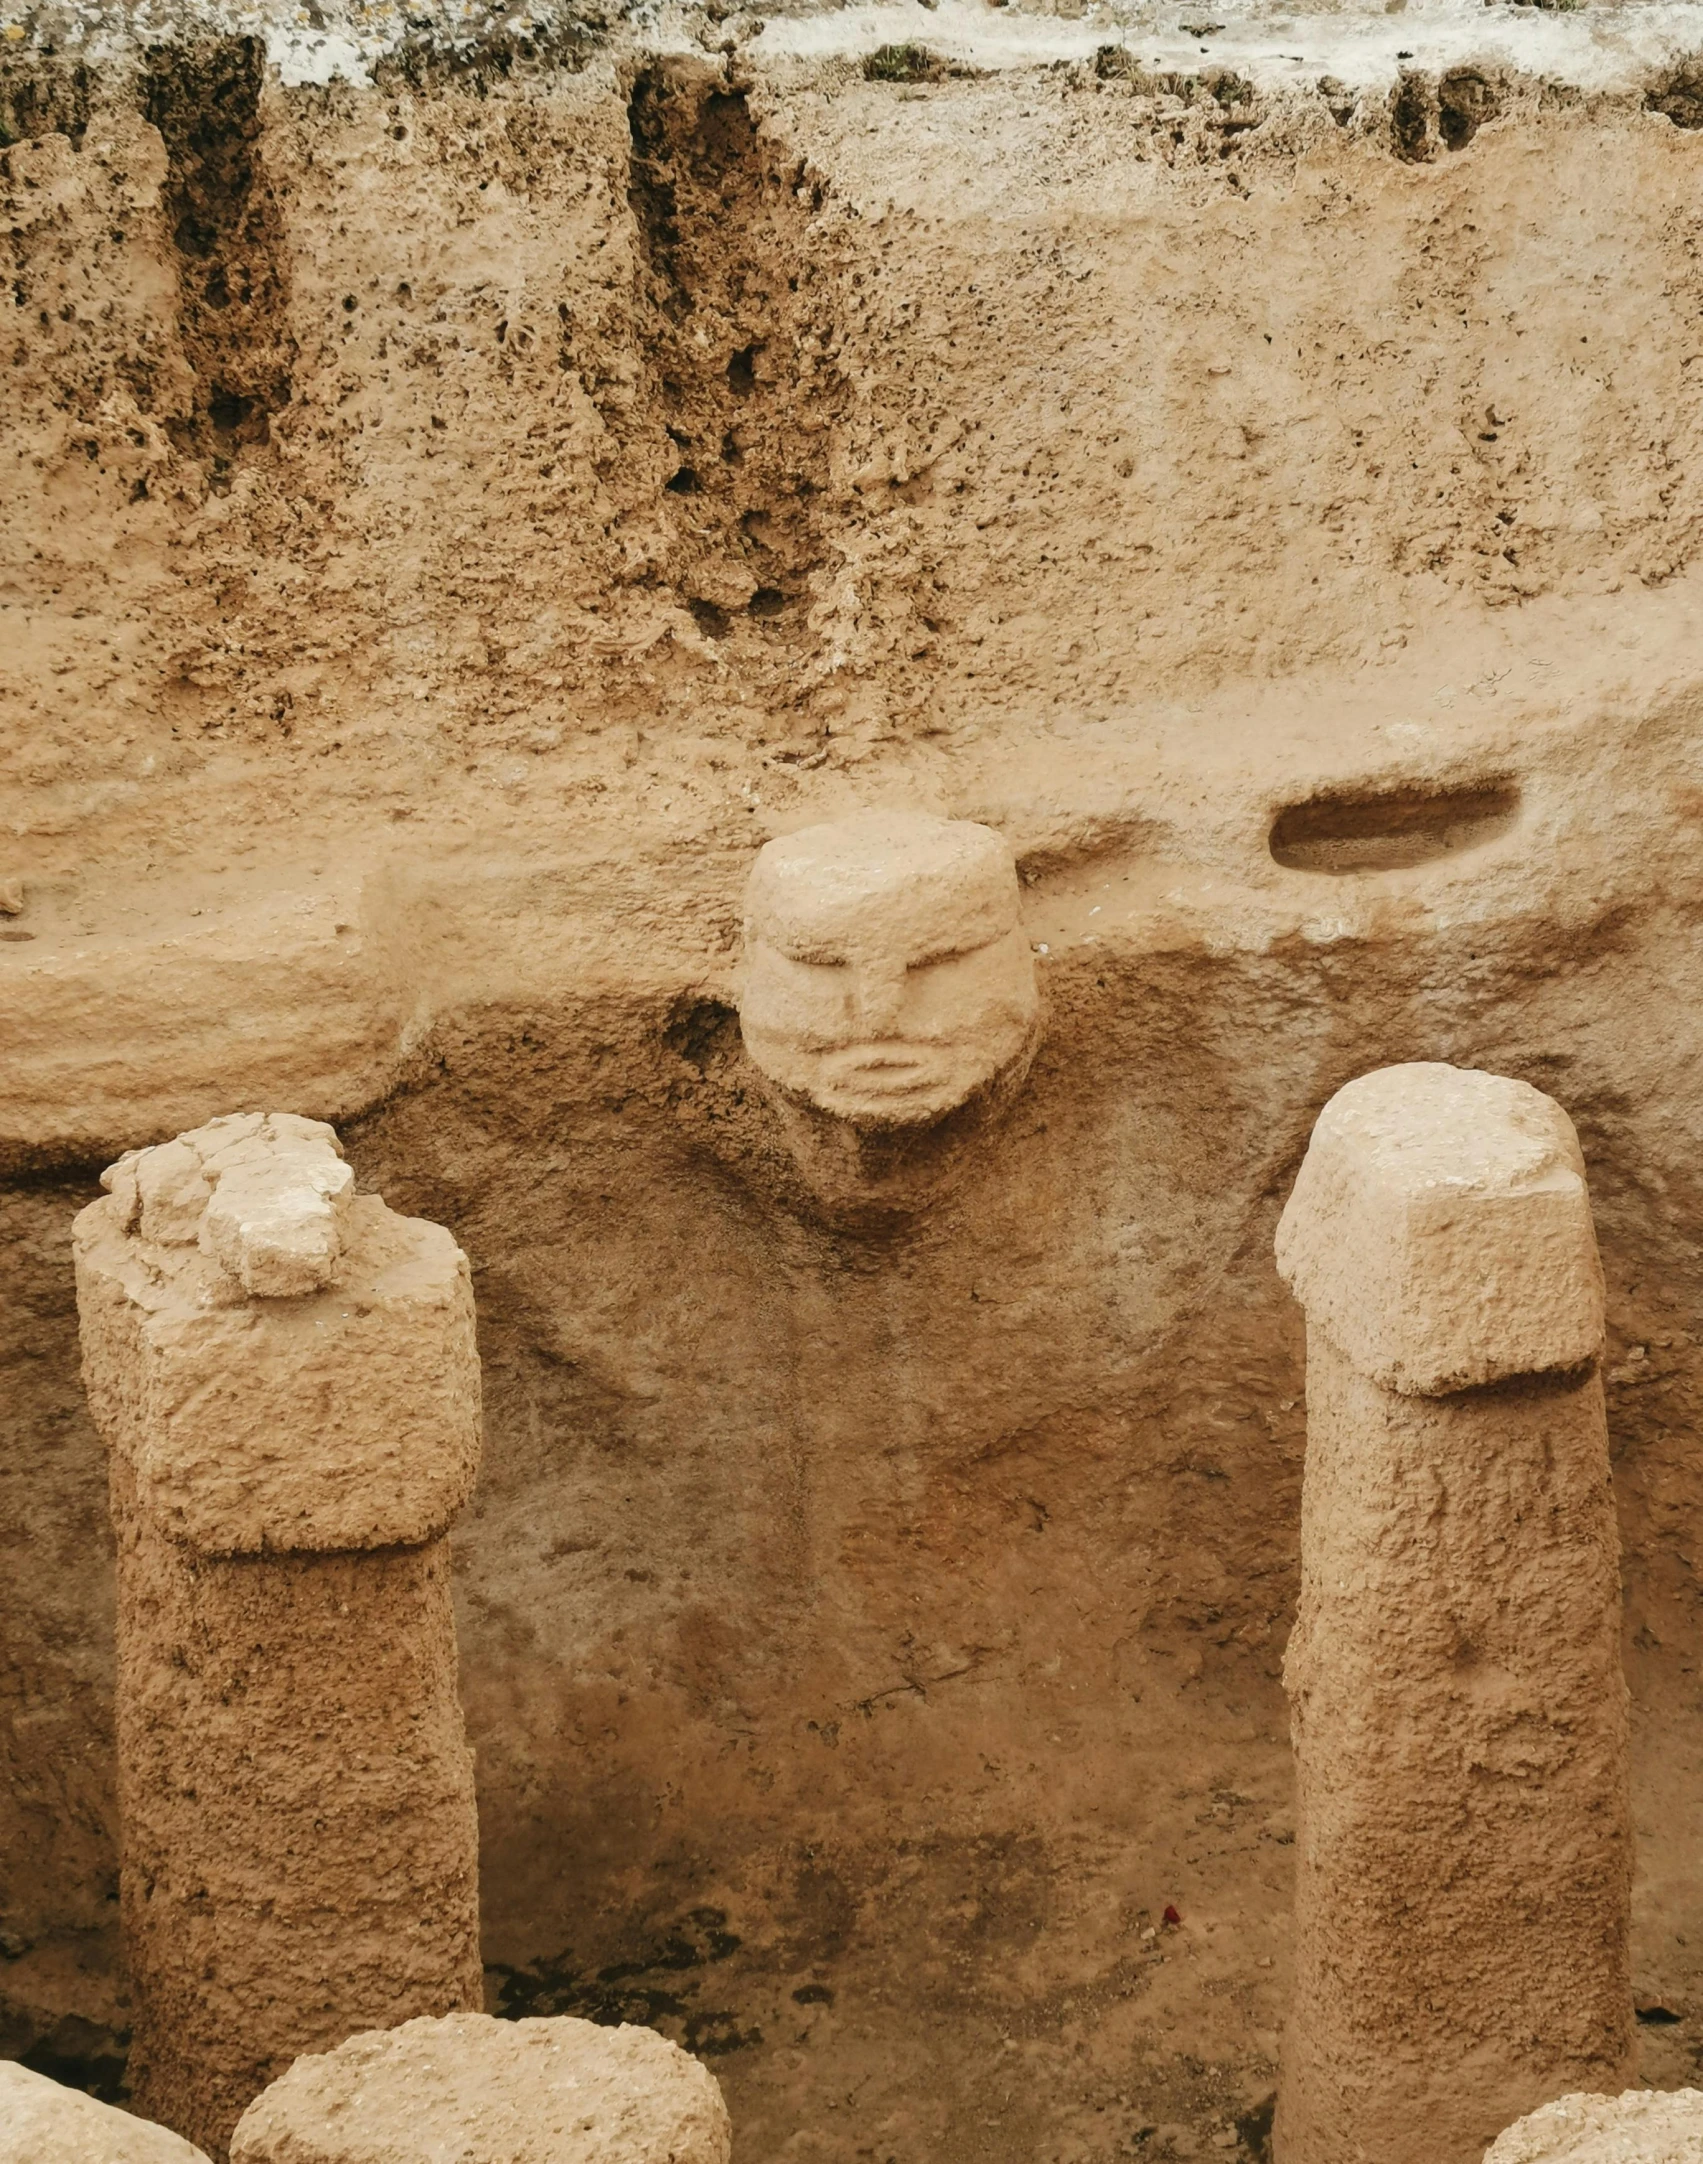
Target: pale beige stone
point(816, 1460)
point(1642, 2126)
point(42, 2122)
point(277, 1214)
point(265, 1194)
point(471, 2090)
point(888, 979)
point(171, 1188)
point(298, 1834)
point(287, 992)
point(1440, 1232)
point(723, 582)
point(1463, 1840)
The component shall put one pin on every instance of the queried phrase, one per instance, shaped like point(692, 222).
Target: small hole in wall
point(684, 483)
point(1391, 829)
point(234, 414)
point(699, 1030)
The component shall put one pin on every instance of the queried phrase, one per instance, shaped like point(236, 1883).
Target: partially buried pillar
point(1458, 1707)
point(286, 1377)
point(1643, 2126)
point(480, 2091)
point(42, 2122)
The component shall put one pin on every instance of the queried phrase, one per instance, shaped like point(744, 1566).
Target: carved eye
point(946, 954)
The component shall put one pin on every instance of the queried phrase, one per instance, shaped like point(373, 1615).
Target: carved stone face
point(887, 976)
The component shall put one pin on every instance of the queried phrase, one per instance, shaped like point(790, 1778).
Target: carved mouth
point(894, 1073)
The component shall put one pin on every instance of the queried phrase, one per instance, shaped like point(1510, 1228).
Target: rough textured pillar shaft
point(286, 1377)
point(1459, 1713)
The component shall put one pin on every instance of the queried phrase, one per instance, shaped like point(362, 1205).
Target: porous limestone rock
point(467, 2089)
point(43, 2122)
point(287, 1381)
point(1642, 2126)
point(1463, 1841)
point(887, 977)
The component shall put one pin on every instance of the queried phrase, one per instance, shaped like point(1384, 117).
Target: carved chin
point(891, 1102)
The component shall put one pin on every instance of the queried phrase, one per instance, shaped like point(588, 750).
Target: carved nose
point(878, 996)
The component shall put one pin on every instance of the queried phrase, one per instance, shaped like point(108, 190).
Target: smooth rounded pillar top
point(42, 2122)
point(1439, 1232)
point(1643, 2126)
point(887, 975)
point(475, 2090)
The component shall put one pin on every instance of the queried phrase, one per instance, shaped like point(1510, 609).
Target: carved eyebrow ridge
point(815, 957)
point(831, 958)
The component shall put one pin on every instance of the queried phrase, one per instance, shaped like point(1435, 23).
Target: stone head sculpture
point(888, 980)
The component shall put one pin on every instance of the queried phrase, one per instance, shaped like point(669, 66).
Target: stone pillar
point(285, 1375)
point(1463, 1853)
point(1643, 2126)
point(492, 2092)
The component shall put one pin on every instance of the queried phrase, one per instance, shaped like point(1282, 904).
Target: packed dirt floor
point(453, 513)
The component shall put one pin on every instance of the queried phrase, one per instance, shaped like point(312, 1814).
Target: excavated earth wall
point(454, 511)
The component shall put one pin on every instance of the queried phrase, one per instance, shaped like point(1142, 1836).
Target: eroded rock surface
point(491, 2092)
point(42, 2122)
point(1463, 1838)
point(1639, 2127)
point(471, 487)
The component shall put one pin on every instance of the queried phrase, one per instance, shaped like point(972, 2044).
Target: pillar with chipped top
point(286, 1378)
point(1458, 1709)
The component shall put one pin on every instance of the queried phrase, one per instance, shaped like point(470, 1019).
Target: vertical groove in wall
point(736, 332)
point(223, 218)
